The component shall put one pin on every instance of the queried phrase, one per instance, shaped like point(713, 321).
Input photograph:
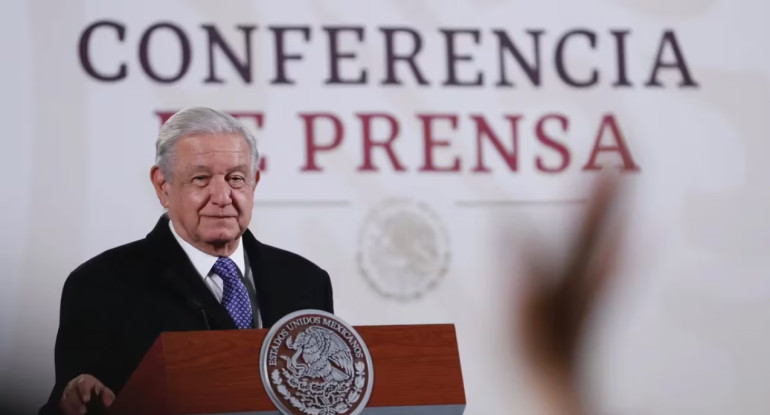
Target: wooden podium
point(416, 372)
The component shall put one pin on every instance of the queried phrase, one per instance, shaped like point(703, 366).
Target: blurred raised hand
point(556, 300)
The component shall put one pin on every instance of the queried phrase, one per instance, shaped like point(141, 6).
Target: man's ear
point(160, 184)
point(256, 180)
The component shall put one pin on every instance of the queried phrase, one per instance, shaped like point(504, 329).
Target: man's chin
point(221, 237)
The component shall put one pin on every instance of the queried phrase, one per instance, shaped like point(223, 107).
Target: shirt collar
point(202, 261)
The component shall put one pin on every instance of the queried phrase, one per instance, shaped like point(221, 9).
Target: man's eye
point(199, 179)
point(237, 181)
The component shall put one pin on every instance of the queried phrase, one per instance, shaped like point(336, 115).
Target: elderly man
point(200, 268)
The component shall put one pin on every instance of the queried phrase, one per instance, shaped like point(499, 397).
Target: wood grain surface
point(218, 371)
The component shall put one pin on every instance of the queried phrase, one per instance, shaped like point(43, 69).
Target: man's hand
point(557, 300)
point(81, 391)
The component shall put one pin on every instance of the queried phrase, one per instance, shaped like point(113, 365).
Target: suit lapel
point(262, 284)
point(217, 315)
point(179, 276)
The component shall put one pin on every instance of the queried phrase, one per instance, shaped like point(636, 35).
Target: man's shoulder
point(112, 262)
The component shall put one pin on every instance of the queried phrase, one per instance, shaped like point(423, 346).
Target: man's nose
point(220, 192)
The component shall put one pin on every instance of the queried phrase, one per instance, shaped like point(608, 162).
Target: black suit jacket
point(115, 305)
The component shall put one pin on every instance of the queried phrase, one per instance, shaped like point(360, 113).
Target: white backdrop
point(686, 330)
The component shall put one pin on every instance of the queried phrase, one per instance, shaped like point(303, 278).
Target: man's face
point(211, 194)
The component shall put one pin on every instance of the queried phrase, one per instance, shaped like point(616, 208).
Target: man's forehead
point(204, 151)
point(209, 156)
point(210, 152)
point(197, 166)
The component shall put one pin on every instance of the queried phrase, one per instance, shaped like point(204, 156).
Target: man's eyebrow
point(240, 167)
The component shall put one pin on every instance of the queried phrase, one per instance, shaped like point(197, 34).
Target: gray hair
point(199, 121)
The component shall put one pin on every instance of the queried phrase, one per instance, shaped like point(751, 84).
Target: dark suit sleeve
point(87, 338)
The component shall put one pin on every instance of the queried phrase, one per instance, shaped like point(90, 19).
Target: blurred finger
point(108, 397)
point(71, 402)
point(580, 283)
point(599, 204)
point(605, 258)
point(85, 386)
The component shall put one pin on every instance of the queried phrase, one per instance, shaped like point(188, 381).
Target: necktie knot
point(226, 269)
point(235, 297)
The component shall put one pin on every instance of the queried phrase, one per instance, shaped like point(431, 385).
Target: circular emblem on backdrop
point(313, 363)
point(403, 249)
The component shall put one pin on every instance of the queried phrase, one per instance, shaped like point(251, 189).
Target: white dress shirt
point(204, 263)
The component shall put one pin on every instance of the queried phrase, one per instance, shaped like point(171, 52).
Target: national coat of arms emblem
point(403, 249)
point(313, 363)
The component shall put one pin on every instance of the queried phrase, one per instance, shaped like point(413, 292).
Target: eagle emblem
point(313, 363)
point(324, 353)
point(403, 249)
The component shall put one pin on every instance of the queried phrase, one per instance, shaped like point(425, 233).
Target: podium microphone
point(194, 303)
point(186, 294)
